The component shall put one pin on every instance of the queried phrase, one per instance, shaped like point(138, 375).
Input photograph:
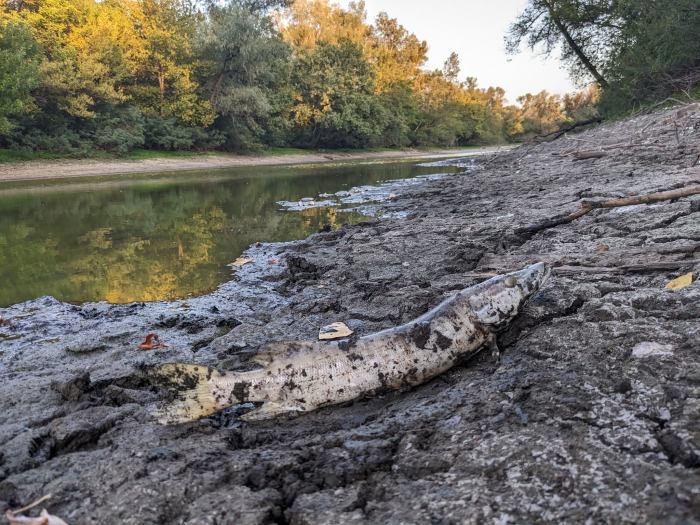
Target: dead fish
point(299, 376)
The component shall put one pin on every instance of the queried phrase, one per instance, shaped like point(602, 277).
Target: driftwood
point(583, 155)
point(601, 151)
point(558, 133)
point(627, 268)
point(576, 270)
point(611, 258)
point(589, 206)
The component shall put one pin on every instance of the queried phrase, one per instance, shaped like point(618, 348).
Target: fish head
point(495, 302)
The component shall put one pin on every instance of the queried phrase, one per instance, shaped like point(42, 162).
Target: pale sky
point(474, 29)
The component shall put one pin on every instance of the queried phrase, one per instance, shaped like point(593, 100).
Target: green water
point(163, 236)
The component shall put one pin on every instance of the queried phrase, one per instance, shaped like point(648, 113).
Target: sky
point(474, 29)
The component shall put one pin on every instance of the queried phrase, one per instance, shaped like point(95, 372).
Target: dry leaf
point(334, 331)
point(151, 342)
point(44, 519)
point(681, 282)
point(648, 348)
point(602, 248)
point(273, 261)
point(240, 261)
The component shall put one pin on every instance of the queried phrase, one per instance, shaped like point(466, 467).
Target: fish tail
point(194, 396)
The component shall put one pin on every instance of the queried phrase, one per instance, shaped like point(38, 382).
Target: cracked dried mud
point(570, 427)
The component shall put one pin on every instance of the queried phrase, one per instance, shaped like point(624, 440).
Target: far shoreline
point(67, 168)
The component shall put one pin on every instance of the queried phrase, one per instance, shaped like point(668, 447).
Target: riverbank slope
point(64, 168)
point(592, 415)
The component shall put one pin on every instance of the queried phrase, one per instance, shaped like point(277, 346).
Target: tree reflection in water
point(159, 237)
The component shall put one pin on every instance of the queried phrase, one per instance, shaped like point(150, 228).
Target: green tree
point(584, 30)
point(248, 57)
point(395, 53)
point(306, 23)
point(541, 112)
point(334, 97)
point(20, 56)
point(169, 62)
point(657, 51)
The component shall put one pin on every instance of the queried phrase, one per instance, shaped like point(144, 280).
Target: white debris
point(647, 348)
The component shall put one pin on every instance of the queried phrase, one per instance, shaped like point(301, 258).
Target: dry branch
point(544, 137)
point(583, 155)
point(589, 206)
point(576, 270)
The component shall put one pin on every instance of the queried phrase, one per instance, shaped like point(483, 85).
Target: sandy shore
point(55, 169)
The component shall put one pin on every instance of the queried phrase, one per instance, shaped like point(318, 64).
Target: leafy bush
point(120, 132)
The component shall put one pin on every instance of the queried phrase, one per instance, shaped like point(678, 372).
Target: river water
point(171, 235)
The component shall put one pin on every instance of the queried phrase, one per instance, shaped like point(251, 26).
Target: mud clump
point(570, 427)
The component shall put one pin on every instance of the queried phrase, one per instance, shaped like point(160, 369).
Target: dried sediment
point(570, 427)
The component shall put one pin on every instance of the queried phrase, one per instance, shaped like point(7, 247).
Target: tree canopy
point(238, 75)
point(635, 50)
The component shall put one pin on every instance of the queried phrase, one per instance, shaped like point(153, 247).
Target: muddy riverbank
point(592, 416)
point(69, 168)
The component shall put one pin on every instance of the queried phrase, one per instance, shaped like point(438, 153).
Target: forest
point(114, 75)
point(78, 76)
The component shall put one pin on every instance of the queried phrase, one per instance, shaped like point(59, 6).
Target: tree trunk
point(161, 83)
point(314, 135)
point(217, 84)
point(576, 49)
point(215, 89)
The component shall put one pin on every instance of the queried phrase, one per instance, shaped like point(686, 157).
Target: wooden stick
point(646, 267)
point(628, 268)
point(583, 155)
point(675, 128)
point(589, 206)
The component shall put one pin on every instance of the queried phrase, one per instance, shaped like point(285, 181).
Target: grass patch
point(18, 155)
point(145, 154)
point(286, 151)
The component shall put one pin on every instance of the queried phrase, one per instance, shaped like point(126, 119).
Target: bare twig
point(675, 128)
point(642, 111)
point(33, 504)
point(583, 155)
point(645, 127)
point(589, 206)
point(695, 162)
point(577, 139)
point(308, 321)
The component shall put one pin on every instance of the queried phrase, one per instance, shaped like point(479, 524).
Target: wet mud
point(582, 421)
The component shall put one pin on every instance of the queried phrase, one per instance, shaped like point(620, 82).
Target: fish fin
point(270, 352)
point(270, 410)
point(194, 398)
